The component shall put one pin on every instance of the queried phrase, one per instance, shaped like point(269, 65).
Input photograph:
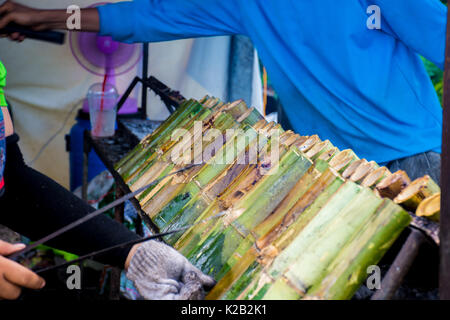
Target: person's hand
point(22, 15)
point(40, 20)
point(13, 276)
point(159, 272)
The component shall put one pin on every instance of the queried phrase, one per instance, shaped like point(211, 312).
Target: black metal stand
point(171, 99)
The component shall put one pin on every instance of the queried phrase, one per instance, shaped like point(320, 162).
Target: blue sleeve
point(163, 20)
point(419, 24)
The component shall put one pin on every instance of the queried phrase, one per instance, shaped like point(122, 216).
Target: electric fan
point(107, 58)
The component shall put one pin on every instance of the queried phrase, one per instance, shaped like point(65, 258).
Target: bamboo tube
point(204, 117)
point(163, 190)
point(187, 215)
point(392, 185)
point(282, 289)
point(310, 266)
point(211, 118)
point(342, 160)
point(414, 193)
point(271, 125)
point(260, 125)
point(301, 140)
point(288, 139)
point(148, 173)
point(162, 199)
point(196, 234)
point(250, 117)
point(306, 210)
point(279, 218)
point(174, 205)
point(231, 285)
point(273, 219)
point(258, 287)
point(286, 135)
point(237, 275)
point(321, 165)
point(244, 246)
point(193, 209)
point(207, 173)
point(309, 143)
point(328, 155)
point(204, 99)
point(177, 115)
point(151, 152)
point(363, 170)
point(313, 228)
point(249, 177)
point(306, 207)
point(172, 189)
point(352, 168)
point(348, 270)
point(158, 171)
point(213, 102)
point(248, 212)
point(218, 185)
point(373, 178)
point(159, 136)
point(277, 185)
point(319, 149)
point(237, 108)
point(430, 207)
point(224, 158)
point(206, 157)
point(307, 188)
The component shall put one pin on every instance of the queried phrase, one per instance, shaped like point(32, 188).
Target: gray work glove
point(159, 272)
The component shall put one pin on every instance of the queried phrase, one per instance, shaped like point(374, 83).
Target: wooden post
point(444, 274)
point(400, 267)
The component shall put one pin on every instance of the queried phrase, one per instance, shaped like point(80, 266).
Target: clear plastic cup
point(102, 99)
point(2, 151)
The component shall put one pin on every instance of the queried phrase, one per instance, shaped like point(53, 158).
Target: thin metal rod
point(102, 251)
point(127, 93)
point(444, 274)
point(400, 267)
point(95, 213)
point(130, 243)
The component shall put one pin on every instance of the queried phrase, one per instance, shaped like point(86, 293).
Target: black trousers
point(419, 165)
point(35, 206)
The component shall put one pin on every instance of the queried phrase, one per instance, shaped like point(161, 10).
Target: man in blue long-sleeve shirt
point(363, 88)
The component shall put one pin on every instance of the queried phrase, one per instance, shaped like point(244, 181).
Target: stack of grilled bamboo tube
point(307, 227)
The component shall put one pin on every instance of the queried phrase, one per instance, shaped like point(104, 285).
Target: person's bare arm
point(39, 20)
